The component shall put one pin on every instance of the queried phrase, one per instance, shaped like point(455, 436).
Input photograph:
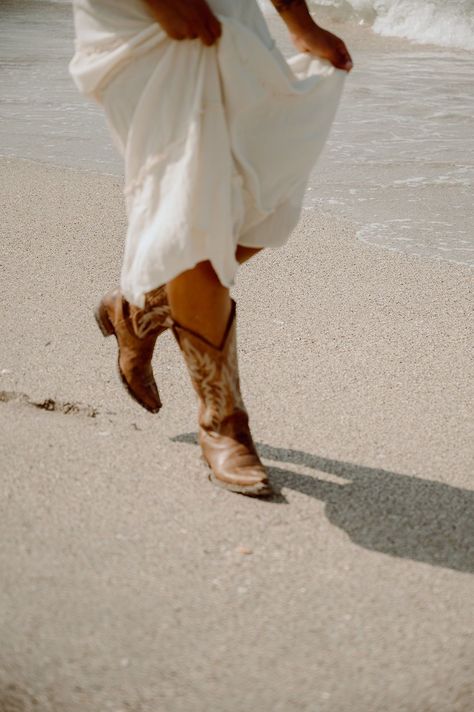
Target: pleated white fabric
point(218, 141)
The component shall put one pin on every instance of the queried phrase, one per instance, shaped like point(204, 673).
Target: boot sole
point(257, 490)
point(107, 329)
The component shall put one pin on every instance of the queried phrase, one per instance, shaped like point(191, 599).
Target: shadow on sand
point(383, 511)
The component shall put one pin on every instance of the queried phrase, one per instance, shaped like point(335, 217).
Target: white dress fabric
point(218, 141)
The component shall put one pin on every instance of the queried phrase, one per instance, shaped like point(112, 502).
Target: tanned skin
point(186, 19)
point(309, 37)
point(193, 19)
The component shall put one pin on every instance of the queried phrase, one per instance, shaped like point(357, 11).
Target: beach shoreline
point(129, 582)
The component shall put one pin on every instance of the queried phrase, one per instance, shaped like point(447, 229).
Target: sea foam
point(449, 23)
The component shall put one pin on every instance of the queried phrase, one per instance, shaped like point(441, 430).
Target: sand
point(131, 584)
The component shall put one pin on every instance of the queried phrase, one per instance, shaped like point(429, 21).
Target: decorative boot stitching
point(150, 321)
point(218, 387)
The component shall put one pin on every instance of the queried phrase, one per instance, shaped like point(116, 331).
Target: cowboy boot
point(136, 331)
point(224, 435)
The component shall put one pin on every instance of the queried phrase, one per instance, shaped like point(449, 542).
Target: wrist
point(295, 15)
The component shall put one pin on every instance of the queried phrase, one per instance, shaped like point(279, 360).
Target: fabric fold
point(218, 142)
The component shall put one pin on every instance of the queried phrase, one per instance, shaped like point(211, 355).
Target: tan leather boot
point(224, 434)
point(136, 331)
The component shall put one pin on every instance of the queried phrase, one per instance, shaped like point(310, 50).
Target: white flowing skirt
point(218, 141)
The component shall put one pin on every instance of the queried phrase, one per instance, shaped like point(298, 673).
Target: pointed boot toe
point(141, 386)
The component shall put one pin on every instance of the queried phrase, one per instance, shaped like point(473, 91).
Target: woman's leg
point(136, 330)
point(205, 328)
point(198, 301)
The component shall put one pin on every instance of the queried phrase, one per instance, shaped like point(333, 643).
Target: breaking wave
point(449, 23)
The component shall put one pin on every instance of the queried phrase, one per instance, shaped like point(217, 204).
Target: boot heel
point(103, 321)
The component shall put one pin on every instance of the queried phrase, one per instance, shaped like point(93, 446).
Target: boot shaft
point(155, 315)
point(214, 374)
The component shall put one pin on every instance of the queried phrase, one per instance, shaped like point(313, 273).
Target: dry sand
point(130, 584)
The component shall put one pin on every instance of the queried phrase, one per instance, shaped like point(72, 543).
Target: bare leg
point(198, 300)
point(245, 253)
point(205, 329)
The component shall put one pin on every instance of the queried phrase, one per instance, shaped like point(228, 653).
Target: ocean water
point(400, 159)
point(399, 162)
point(42, 116)
point(448, 23)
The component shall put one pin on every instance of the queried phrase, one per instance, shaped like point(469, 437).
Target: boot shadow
point(388, 512)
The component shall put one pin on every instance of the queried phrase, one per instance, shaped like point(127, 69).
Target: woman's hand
point(186, 19)
point(309, 37)
point(322, 43)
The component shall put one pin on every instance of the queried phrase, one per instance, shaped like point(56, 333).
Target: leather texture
point(224, 433)
point(136, 331)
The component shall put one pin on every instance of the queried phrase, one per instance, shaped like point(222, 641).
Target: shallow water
point(449, 23)
point(42, 116)
point(399, 162)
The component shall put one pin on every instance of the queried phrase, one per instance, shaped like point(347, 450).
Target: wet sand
point(130, 583)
